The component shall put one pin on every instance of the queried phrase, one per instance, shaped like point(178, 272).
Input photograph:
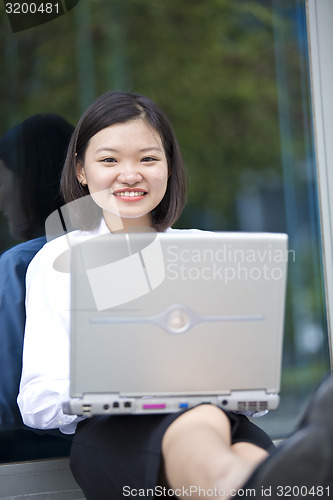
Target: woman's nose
point(129, 174)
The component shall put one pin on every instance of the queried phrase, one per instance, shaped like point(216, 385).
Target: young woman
point(125, 165)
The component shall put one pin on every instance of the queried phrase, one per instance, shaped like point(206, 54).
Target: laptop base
point(113, 404)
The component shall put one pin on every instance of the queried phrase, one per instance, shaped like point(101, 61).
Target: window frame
point(320, 39)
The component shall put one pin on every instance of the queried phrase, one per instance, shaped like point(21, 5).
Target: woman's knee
point(206, 416)
point(250, 452)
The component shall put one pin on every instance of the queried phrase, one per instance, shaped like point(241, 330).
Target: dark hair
point(120, 107)
point(35, 151)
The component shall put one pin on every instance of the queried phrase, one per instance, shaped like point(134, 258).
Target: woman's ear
point(81, 176)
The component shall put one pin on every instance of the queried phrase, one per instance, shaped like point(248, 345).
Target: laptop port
point(115, 404)
point(106, 407)
point(86, 409)
point(155, 406)
point(127, 404)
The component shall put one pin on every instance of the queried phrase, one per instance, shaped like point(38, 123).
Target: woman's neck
point(117, 224)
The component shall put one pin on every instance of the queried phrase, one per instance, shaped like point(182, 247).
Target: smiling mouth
point(130, 194)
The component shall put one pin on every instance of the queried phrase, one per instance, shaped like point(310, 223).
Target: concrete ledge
point(40, 480)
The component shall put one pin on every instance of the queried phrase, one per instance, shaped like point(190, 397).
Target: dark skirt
point(114, 456)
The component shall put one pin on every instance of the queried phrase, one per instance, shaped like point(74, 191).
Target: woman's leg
point(198, 453)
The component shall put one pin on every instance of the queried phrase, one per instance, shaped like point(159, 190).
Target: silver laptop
point(165, 321)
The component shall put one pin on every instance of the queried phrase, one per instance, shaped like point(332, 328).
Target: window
point(234, 79)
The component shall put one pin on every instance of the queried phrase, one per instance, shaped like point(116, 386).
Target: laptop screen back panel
point(211, 323)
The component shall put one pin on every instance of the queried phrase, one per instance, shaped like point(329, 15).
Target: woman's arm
point(45, 374)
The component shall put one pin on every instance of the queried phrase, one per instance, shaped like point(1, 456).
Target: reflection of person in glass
point(124, 147)
point(31, 159)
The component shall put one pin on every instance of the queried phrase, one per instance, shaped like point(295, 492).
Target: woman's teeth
point(130, 193)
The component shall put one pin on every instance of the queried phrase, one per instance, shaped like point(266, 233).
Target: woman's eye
point(109, 160)
point(148, 159)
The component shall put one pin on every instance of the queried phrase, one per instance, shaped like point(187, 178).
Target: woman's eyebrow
point(114, 150)
point(150, 148)
point(106, 148)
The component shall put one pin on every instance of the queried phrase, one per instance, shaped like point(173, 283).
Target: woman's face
point(126, 171)
point(10, 203)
